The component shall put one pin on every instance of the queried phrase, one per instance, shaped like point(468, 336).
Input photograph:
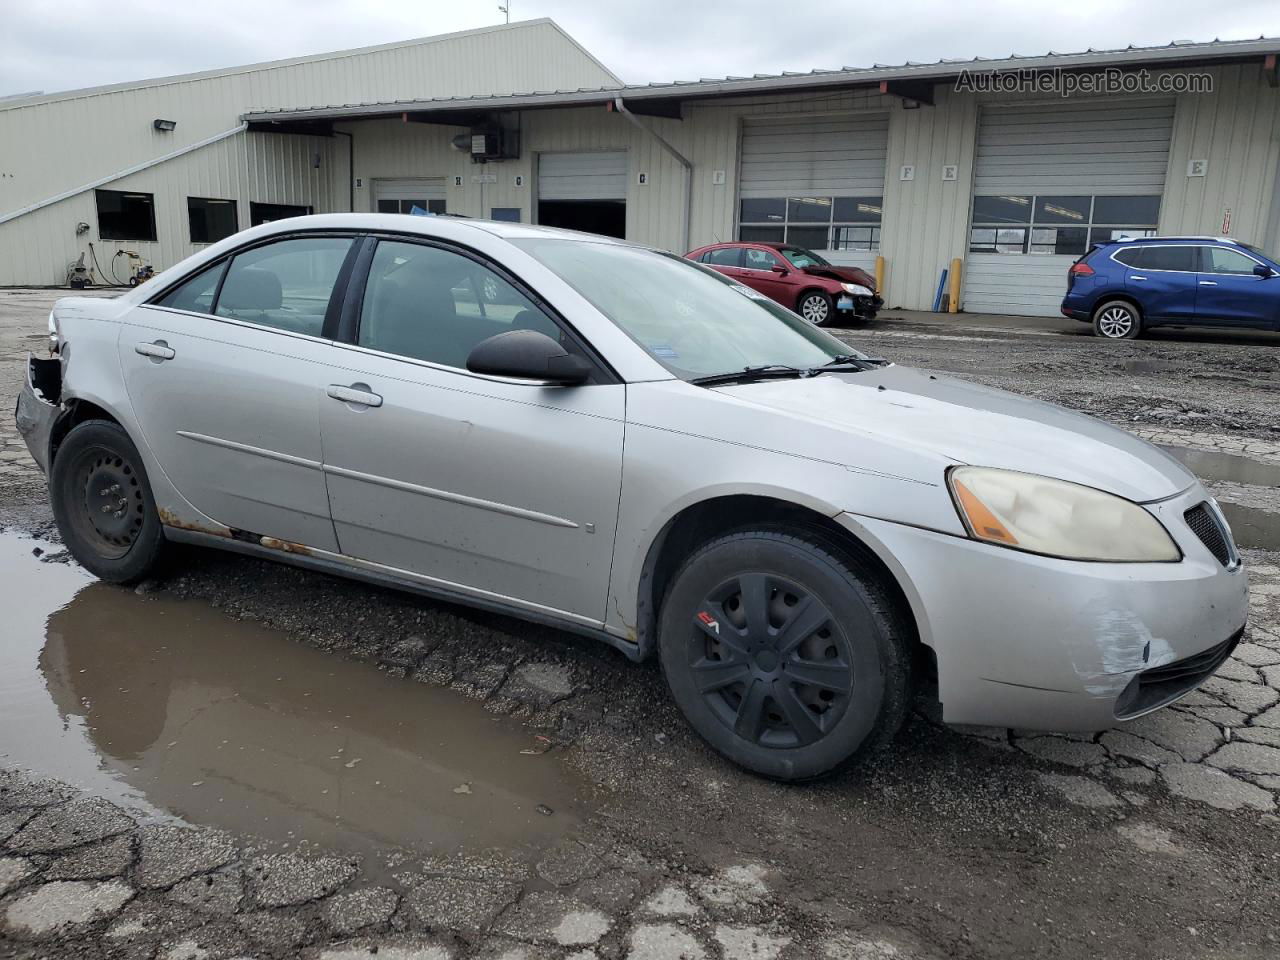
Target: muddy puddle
point(170, 707)
point(1252, 527)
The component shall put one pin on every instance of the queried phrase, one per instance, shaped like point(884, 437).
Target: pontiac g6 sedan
point(623, 443)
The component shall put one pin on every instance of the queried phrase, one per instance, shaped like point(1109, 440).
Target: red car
point(797, 278)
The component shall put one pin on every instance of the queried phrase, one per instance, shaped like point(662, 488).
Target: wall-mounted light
point(165, 126)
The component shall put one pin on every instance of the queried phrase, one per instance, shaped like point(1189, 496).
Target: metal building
point(159, 167)
point(901, 168)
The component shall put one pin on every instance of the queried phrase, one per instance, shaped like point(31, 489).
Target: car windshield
point(801, 258)
point(692, 320)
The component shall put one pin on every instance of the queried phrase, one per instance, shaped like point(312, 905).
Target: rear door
point(1164, 281)
point(1229, 292)
point(726, 260)
point(499, 488)
point(226, 374)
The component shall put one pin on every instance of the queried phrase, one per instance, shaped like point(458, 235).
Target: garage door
point(401, 196)
point(582, 176)
point(817, 182)
point(1048, 181)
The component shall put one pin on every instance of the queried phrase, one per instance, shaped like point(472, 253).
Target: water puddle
point(1252, 527)
point(171, 707)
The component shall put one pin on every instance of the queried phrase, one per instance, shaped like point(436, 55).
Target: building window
point(408, 206)
point(211, 220)
point(260, 213)
point(815, 223)
point(126, 216)
point(1062, 225)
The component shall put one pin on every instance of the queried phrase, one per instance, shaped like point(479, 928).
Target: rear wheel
point(786, 656)
point(815, 306)
point(103, 504)
point(1117, 320)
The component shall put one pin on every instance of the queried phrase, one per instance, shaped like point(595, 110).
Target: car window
point(1171, 257)
point(195, 294)
point(285, 285)
point(691, 319)
point(436, 305)
point(1223, 260)
point(1129, 256)
point(755, 259)
point(724, 257)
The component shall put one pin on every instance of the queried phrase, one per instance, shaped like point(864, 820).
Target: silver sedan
point(619, 442)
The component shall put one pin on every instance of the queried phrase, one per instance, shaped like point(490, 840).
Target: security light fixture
point(165, 126)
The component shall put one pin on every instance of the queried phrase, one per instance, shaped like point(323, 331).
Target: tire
point(98, 466)
point(816, 307)
point(826, 682)
point(1117, 320)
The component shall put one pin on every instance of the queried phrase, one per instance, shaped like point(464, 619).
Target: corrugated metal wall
point(83, 136)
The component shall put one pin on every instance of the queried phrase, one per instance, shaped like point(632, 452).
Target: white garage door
point(582, 176)
point(1048, 181)
point(817, 182)
point(401, 196)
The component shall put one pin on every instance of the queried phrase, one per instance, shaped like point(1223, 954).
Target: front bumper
point(858, 307)
point(1044, 644)
point(38, 407)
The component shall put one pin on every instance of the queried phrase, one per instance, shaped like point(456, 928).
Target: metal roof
point(1181, 53)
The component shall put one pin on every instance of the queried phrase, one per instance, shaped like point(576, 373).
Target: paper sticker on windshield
point(664, 351)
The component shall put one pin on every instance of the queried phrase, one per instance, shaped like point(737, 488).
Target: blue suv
point(1124, 286)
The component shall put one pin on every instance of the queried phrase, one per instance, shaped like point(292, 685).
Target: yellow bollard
point(953, 306)
point(880, 275)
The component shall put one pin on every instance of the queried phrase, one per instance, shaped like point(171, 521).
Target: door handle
point(1137, 278)
point(157, 351)
point(359, 393)
point(1208, 283)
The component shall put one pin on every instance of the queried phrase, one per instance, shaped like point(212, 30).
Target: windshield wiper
point(765, 371)
point(848, 360)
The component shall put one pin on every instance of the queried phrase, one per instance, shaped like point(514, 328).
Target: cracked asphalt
point(1156, 839)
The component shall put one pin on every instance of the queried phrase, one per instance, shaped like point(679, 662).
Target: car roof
point(429, 226)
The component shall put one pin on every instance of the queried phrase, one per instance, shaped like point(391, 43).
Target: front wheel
point(103, 504)
point(815, 306)
point(1117, 320)
point(785, 655)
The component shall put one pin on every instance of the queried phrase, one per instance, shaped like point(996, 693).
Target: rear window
point(1128, 256)
point(1171, 257)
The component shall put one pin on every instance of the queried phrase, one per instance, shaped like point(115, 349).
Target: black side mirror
point(1263, 271)
point(528, 355)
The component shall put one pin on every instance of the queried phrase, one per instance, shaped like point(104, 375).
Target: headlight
point(1056, 518)
point(53, 336)
point(857, 289)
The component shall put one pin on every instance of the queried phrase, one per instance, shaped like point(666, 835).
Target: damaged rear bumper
point(38, 406)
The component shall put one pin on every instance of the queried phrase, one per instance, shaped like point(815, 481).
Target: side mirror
point(528, 355)
point(1263, 271)
point(780, 270)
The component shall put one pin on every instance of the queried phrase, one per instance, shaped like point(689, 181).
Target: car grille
point(1206, 526)
point(1160, 685)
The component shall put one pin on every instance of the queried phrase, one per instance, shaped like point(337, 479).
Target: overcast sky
point(47, 45)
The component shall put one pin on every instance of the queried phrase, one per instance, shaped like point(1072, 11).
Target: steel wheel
point(103, 504)
point(770, 661)
point(816, 308)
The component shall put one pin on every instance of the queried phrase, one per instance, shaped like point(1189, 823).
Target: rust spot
point(273, 543)
point(171, 519)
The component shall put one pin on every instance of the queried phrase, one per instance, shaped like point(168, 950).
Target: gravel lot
point(1158, 839)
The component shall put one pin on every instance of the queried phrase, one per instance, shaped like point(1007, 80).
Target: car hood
point(971, 424)
point(845, 274)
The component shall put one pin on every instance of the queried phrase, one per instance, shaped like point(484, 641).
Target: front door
point(762, 270)
point(226, 375)
point(1229, 292)
point(503, 489)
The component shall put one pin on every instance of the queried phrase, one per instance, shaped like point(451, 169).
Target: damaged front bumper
point(858, 306)
point(38, 406)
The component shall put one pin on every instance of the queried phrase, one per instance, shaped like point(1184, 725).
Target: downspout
point(351, 168)
point(680, 158)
